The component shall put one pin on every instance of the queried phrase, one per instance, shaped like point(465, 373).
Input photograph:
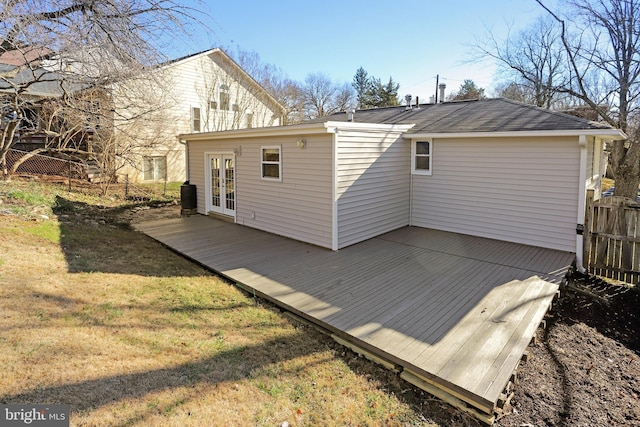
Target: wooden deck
point(454, 313)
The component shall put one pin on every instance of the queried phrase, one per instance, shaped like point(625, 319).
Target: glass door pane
point(215, 181)
point(230, 183)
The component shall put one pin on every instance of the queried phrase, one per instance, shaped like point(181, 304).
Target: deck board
point(455, 310)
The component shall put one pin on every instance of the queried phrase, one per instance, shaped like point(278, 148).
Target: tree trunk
point(8, 133)
point(625, 167)
point(3, 164)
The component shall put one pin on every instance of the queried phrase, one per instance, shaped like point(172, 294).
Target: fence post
point(69, 164)
point(164, 190)
point(126, 186)
point(588, 221)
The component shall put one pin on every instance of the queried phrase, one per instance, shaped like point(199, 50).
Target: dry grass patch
point(102, 318)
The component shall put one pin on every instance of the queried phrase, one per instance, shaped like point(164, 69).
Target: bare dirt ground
point(584, 369)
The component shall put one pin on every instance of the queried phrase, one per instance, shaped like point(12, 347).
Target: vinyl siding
point(373, 178)
point(183, 85)
point(197, 171)
point(523, 190)
point(299, 207)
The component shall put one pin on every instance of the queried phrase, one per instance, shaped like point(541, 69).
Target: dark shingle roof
point(37, 82)
point(486, 115)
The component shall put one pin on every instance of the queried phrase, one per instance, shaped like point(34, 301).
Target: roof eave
point(606, 134)
point(295, 130)
point(308, 129)
point(370, 127)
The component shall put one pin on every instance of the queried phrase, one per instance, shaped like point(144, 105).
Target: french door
point(221, 184)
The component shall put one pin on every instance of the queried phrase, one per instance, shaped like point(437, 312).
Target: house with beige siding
point(493, 168)
point(203, 92)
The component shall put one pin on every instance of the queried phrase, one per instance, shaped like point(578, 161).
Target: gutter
point(295, 130)
point(609, 134)
point(334, 188)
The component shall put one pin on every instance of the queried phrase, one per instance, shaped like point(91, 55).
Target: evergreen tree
point(389, 94)
point(374, 93)
point(468, 90)
point(371, 93)
point(362, 85)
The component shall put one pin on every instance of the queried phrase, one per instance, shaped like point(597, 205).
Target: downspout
point(582, 200)
point(334, 189)
point(411, 157)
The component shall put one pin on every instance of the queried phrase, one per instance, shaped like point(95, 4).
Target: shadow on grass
point(233, 364)
point(98, 239)
point(109, 316)
point(187, 380)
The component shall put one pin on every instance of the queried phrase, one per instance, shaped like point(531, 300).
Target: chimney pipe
point(351, 114)
point(442, 87)
point(407, 100)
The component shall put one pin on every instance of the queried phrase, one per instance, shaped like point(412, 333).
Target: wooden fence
point(612, 238)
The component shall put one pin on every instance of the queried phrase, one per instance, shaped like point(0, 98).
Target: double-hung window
point(154, 168)
point(224, 98)
point(195, 119)
point(422, 155)
point(271, 162)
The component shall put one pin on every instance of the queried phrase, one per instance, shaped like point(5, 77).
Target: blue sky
point(409, 40)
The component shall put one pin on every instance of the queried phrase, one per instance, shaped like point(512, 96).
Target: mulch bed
point(585, 367)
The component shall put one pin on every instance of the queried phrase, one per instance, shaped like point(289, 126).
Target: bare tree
point(60, 59)
point(590, 56)
point(323, 97)
point(532, 58)
point(291, 95)
point(318, 95)
point(344, 98)
point(602, 48)
point(287, 92)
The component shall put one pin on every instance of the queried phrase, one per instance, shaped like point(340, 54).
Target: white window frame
point(196, 116)
point(414, 155)
point(224, 97)
point(152, 160)
point(264, 162)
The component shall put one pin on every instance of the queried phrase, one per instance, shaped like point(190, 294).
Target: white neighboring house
point(204, 92)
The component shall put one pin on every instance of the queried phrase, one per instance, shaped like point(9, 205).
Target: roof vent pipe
point(407, 100)
point(442, 87)
point(351, 113)
point(417, 103)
